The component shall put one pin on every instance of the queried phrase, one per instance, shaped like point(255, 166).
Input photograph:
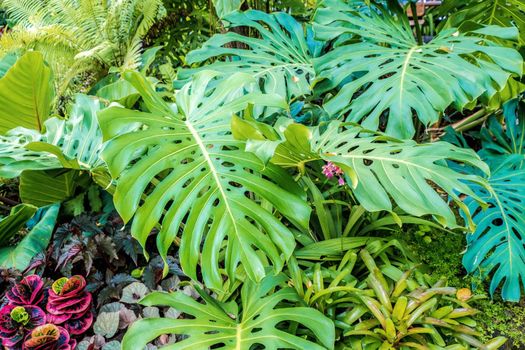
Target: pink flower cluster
point(330, 170)
point(24, 325)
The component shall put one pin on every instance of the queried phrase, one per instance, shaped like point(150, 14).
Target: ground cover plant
point(258, 174)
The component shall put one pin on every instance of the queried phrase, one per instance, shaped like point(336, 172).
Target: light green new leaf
point(385, 71)
point(257, 326)
point(280, 58)
point(179, 166)
point(26, 93)
point(380, 169)
point(10, 225)
point(36, 240)
point(74, 143)
point(120, 91)
point(225, 7)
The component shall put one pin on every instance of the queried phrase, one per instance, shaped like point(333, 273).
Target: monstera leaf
point(26, 93)
point(73, 143)
point(387, 72)
point(34, 242)
point(280, 58)
point(379, 168)
point(180, 167)
point(505, 13)
point(505, 141)
point(497, 246)
point(260, 325)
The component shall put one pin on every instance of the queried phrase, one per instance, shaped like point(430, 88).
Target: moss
point(441, 253)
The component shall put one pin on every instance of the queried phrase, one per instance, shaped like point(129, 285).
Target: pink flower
point(330, 170)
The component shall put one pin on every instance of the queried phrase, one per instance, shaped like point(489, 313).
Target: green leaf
point(497, 246)
point(386, 71)
point(120, 91)
point(509, 140)
point(225, 7)
point(180, 162)
point(7, 62)
point(34, 242)
point(504, 13)
point(255, 327)
point(280, 57)
point(382, 169)
point(42, 188)
point(10, 225)
point(15, 157)
point(74, 143)
point(26, 93)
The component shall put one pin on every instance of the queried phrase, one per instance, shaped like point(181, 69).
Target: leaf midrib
point(213, 170)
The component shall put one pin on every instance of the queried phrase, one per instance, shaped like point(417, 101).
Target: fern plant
point(81, 40)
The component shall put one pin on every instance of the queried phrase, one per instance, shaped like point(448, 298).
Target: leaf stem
point(415, 18)
point(8, 201)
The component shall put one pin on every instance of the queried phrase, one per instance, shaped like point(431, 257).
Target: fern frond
point(23, 12)
point(81, 37)
point(132, 58)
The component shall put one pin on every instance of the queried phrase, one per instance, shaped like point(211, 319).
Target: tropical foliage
point(81, 40)
point(245, 174)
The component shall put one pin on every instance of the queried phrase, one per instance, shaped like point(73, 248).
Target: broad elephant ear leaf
point(181, 162)
point(380, 169)
point(280, 58)
point(35, 241)
point(255, 327)
point(26, 93)
point(383, 70)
